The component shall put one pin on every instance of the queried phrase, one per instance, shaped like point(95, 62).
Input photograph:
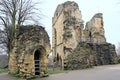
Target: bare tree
point(13, 14)
point(118, 49)
point(118, 52)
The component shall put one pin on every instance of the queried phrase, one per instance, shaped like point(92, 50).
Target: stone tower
point(76, 46)
point(67, 30)
point(29, 54)
point(94, 30)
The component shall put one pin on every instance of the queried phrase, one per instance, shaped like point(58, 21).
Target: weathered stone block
point(30, 51)
point(76, 46)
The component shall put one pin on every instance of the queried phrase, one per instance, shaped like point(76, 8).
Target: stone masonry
point(75, 46)
point(94, 30)
point(29, 55)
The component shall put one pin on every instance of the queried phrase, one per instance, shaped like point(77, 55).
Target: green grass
point(3, 70)
point(66, 71)
point(58, 71)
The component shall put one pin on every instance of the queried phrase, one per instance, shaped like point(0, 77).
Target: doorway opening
point(37, 56)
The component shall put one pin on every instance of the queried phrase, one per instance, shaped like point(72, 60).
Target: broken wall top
point(68, 9)
point(72, 19)
point(65, 6)
point(95, 29)
point(32, 36)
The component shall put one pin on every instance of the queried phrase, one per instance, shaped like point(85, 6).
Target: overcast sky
point(109, 8)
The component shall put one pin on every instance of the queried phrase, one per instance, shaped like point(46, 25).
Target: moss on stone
point(87, 55)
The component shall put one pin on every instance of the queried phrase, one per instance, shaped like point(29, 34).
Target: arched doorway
point(37, 57)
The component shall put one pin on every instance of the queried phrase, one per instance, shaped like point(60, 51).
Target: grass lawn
point(58, 71)
point(3, 70)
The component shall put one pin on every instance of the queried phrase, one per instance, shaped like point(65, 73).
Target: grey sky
point(109, 8)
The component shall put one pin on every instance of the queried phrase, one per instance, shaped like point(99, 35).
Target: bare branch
point(14, 12)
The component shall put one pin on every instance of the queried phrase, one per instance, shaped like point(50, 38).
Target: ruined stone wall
point(94, 30)
point(88, 54)
point(67, 25)
point(28, 40)
point(69, 32)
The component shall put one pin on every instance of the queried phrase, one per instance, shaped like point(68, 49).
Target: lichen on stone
point(82, 46)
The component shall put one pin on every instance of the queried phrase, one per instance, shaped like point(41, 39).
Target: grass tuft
point(58, 71)
point(3, 70)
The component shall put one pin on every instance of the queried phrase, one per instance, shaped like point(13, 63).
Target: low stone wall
point(88, 54)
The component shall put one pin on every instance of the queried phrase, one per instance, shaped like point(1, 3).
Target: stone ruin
point(30, 51)
point(75, 46)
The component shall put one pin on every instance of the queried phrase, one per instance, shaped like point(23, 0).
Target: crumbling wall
point(28, 40)
point(88, 54)
point(94, 30)
point(76, 45)
point(67, 27)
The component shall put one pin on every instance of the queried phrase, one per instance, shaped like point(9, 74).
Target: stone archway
point(37, 62)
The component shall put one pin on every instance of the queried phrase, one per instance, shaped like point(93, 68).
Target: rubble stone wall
point(78, 46)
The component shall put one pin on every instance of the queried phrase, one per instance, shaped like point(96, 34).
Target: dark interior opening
point(90, 36)
point(37, 55)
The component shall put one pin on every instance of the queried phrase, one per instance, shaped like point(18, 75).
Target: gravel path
point(109, 72)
